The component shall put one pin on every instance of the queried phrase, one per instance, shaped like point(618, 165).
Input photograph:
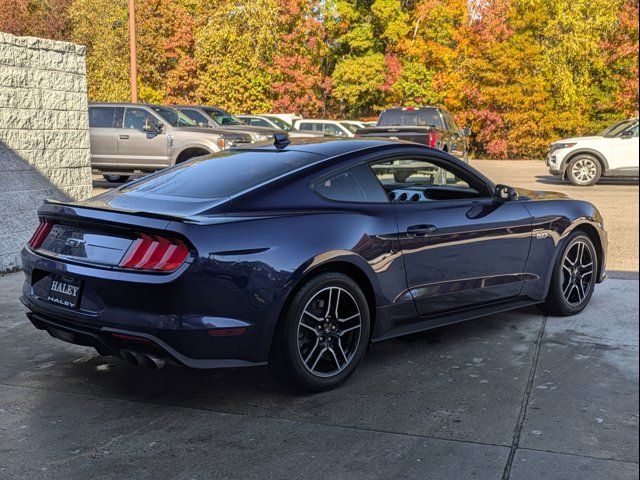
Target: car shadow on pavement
point(553, 180)
point(381, 371)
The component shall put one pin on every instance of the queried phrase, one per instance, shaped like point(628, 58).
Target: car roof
point(127, 104)
point(328, 147)
point(317, 120)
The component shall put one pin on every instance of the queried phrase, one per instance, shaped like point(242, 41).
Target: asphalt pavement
point(514, 396)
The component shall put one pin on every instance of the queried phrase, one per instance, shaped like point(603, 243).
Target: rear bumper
point(187, 316)
point(103, 340)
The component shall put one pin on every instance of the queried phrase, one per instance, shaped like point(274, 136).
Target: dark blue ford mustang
point(300, 255)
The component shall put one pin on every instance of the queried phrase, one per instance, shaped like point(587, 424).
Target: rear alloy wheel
point(584, 171)
point(574, 277)
point(324, 334)
point(116, 178)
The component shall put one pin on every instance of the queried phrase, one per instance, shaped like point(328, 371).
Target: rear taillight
point(432, 139)
point(155, 253)
point(41, 233)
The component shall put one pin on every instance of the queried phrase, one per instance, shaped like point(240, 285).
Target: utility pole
point(132, 46)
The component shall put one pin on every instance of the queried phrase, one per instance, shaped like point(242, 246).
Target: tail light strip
point(152, 252)
point(41, 233)
point(432, 139)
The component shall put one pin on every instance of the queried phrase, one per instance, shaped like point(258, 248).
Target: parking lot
point(513, 396)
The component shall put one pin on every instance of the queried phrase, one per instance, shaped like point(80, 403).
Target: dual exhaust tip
point(143, 359)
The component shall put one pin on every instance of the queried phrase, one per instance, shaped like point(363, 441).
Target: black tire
point(584, 170)
point(557, 304)
point(292, 341)
point(116, 178)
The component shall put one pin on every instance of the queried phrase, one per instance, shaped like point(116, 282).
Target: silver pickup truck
point(129, 139)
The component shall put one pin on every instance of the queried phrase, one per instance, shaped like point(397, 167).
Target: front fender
point(550, 229)
point(181, 146)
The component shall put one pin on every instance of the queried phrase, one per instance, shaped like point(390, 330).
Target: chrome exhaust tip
point(129, 356)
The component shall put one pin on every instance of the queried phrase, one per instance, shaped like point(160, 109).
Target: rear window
point(222, 174)
point(419, 117)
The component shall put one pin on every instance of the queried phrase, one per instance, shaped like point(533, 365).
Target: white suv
point(584, 160)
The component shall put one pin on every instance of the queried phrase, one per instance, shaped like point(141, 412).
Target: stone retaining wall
point(44, 134)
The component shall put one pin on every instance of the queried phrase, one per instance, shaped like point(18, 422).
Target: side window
point(134, 118)
point(358, 184)
point(633, 130)
point(195, 116)
point(410, 180)
point(258, 122)
point(332, 129)
point(101, 117)
point(305, 126)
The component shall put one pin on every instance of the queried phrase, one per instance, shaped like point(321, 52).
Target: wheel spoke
point(337, 304)
point(343, 320)
point(344, 355)
point(309, 314)
point(329, 303)
point(581, 292)
point(313, 367)
point(309, 327)
point(347, 330)
point(579, 254)
point(567, 290)
point(333, 354)
point(315, 346)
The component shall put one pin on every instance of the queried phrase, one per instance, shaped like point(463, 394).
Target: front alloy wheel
point(577, 273)
point(323, 334)
point(574, 276)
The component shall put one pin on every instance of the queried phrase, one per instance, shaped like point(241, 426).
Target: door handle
point(123, 137)
point(420, 230)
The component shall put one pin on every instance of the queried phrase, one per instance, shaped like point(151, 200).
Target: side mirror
point(626, 134)
point(466, 131)
point(505, 193)
point(148, 126)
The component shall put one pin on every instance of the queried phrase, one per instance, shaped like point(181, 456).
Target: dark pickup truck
point(431, 126)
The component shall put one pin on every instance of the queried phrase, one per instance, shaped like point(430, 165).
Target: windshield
point(616, 128)
point(349, 126)
point(420, 117)
point(222, 118)
point(287, 127)
point(222, 174)
point(173, 117)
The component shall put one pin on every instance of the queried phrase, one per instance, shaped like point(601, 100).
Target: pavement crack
point(515, 443)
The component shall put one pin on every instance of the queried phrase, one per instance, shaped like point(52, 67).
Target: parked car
point(129, 138)
point(290, 118)
point(584, 160)
point(355, 123)
point(299, 255)
point(431, 126)
point(216, 118)
point(334, 128)
point(277, 123)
